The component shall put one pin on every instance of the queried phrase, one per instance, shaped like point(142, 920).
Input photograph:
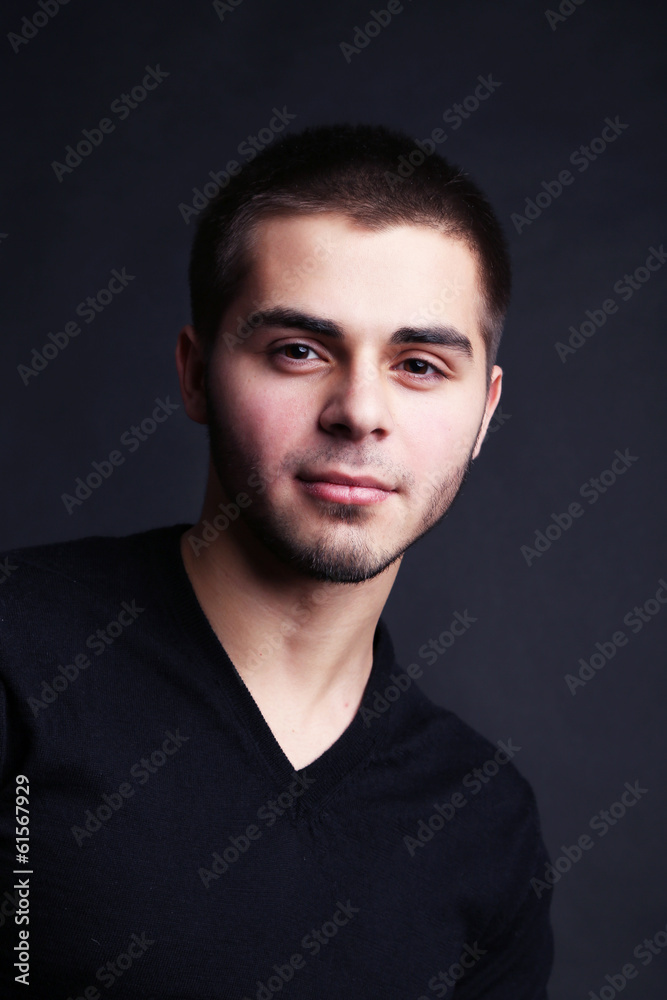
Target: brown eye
point(420, 367)
point(298, 352)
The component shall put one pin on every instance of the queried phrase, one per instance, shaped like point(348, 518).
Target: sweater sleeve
point(517, 963)
point(513, 958)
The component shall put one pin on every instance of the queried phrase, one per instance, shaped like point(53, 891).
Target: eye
point(295, 352)
point(420, 366)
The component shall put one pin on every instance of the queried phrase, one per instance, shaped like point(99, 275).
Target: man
point(234, 788)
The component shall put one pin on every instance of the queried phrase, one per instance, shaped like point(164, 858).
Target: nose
point(356, 403)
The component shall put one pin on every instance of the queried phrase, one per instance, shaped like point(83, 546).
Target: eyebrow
point(444, 336)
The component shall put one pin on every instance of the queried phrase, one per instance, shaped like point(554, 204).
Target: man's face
point(359, 400)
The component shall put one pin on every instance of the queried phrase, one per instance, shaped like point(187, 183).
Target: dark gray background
point(119, 208)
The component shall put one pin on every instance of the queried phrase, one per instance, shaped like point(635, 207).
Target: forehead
point(377, 279)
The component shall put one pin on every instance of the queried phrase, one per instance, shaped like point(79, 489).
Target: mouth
point(341, 488)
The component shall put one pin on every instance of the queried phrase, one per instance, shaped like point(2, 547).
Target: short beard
point(322, 560)
point(359, 562)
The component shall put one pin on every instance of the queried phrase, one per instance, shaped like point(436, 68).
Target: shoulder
point(72, 561)
point(432, 751)
point(441, 743)
point(469, 797)
point(53, 571)
point(54, 596)
point(64, 604)
point(475, 784)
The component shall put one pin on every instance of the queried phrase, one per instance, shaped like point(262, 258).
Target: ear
point(492, 399)
point(191, 371)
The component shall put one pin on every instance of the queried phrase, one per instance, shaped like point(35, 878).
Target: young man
point(234, 789)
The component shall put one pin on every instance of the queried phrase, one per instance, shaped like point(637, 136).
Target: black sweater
point(175, 854)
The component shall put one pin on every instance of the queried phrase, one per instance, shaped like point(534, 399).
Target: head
point(323, 289)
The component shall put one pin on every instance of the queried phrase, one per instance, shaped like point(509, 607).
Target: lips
point(338, 487)
point(341, 479)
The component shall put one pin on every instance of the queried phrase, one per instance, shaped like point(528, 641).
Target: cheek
point(264, 422)
point(438, 443)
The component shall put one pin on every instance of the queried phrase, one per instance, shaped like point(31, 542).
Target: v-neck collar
point(353, 748)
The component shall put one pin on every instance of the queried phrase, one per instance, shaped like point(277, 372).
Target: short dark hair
point(354, 170)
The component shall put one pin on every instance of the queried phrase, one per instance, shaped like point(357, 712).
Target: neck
point(288, 635)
